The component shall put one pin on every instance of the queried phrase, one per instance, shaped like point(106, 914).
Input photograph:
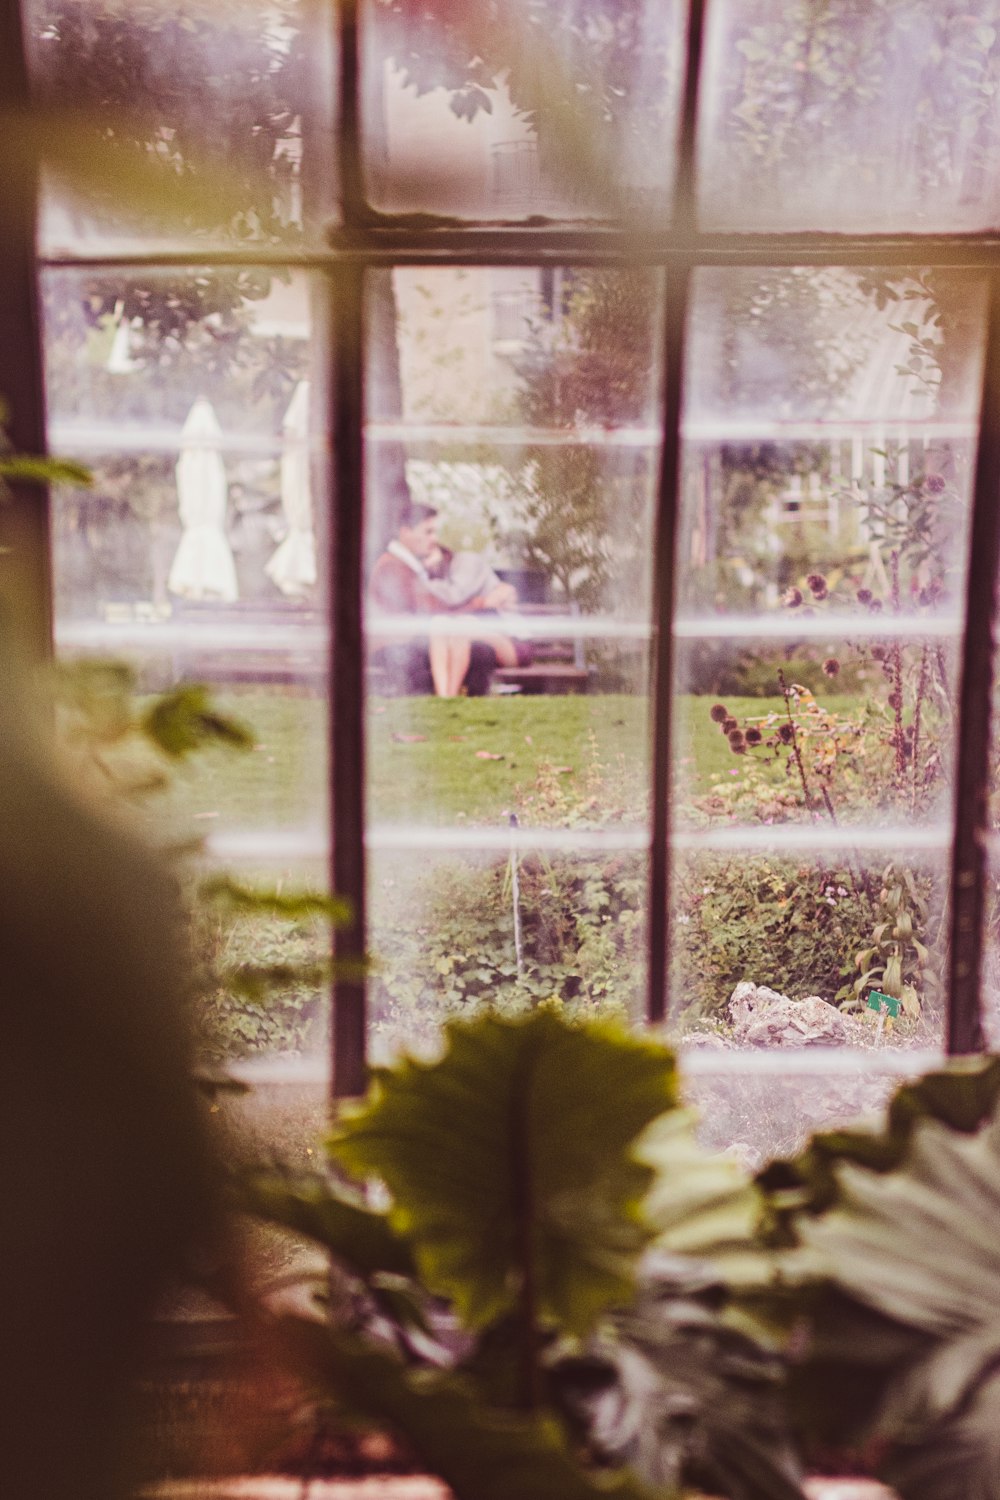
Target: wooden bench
point(558, 664)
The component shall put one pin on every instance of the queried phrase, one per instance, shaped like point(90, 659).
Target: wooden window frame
point(363, 241)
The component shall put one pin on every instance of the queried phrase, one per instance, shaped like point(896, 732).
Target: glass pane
point(845, 117)
point(780, 942)
point(455, 933)
point(535, 107)
point(817, 729)
point(262, 1000)
point(829, 429)
point(208, 123)
point(763, 1109)
point(512, 461)
point(189, 601)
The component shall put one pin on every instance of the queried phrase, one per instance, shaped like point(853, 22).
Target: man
point(401, 585)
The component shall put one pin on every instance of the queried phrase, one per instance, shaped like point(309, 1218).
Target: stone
point(763, 1017)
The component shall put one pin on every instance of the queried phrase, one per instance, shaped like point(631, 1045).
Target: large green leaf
point(919, 1247)
point(686, 1396)
point(185, 719)
point(703, 1204)
point(308, 1204)
point(510, 1166)
point(921, 1244)
point(479, 1453)
point(962, 1095)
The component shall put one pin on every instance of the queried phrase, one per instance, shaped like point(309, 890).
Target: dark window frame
point(364, 241)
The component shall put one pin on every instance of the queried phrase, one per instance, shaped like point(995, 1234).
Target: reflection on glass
point(455, 935)
point(847, 117)
point(535, 107)
point(794, 946)
point(211, 123)
point(829, 440)
point(816, 730)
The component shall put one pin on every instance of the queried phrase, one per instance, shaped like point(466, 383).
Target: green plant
point(897, 1255)
point(896, 961)
point(481, 1312)
point(774, 920)
point(444, 940)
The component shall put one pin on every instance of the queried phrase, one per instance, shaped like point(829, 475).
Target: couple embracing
point(415, 575)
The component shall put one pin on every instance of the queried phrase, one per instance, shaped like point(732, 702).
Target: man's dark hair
point(414, 513)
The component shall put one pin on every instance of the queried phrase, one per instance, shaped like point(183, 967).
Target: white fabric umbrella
point(293, 565)
point(204, 566)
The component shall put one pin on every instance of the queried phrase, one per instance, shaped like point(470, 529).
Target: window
point(676, 316)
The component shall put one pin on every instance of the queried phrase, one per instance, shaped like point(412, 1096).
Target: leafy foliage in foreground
point(533, 1182)
point(899, 1256)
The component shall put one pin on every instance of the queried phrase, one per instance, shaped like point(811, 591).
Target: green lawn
point(573, 759)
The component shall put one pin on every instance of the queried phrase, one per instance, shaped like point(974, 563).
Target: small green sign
point(880, 1002)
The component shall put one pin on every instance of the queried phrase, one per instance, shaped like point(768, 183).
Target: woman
point(465, 582)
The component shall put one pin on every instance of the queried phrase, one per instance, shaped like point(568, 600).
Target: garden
point(457, 928)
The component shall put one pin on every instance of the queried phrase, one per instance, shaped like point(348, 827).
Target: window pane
point(454, 933)
point(207, 123)
point(519, 406)
point(816, 729)
point(535, 107)
point(196, 558)
point(829, 428)
point(829, 444)
point(763, 1108)
point(508, 821)
point(848, 117)
point(811, 941)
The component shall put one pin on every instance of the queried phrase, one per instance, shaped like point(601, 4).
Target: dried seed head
point(935, 483)
point(817, 585)
point(793, 598)
point(729, 724)
point(737, 742)
point(753, 736)
point(895, 702)
point(831, 667)
point(718, 713)
point(786, 733)
point(878, 653)
point(864, 596)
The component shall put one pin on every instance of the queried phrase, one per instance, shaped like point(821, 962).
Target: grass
point(438, 762)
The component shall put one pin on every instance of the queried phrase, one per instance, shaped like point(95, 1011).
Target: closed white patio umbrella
point(203, 567)
point(293, 565)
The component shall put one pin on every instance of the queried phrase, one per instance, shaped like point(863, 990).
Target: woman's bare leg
point(460, 653)
point(439, 652)
point(449, 656)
